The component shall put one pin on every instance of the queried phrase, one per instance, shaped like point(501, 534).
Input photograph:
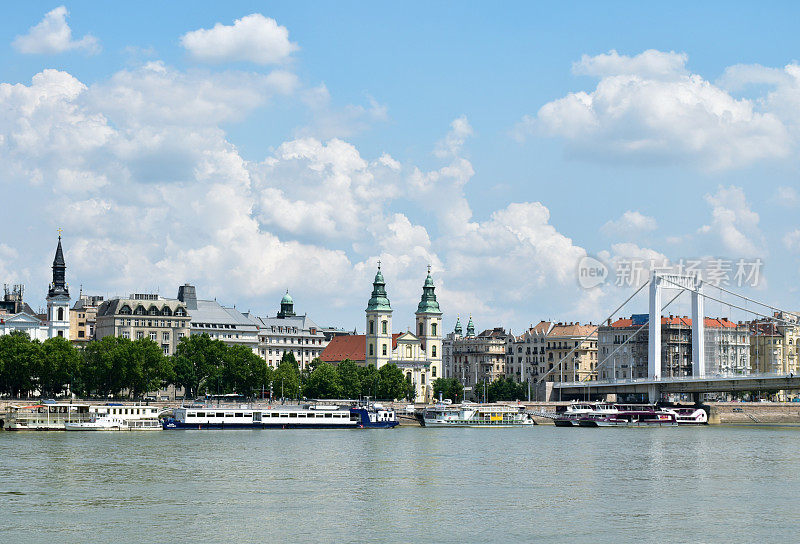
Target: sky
point(253, 147)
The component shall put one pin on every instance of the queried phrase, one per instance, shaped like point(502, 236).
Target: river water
point(539, 484)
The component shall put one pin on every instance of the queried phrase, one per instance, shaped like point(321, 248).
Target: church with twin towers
point(418, 354)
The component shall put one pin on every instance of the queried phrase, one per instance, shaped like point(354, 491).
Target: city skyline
point(249, 149)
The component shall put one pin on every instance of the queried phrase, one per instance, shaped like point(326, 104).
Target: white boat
point(112, 423)
point(475, 415)
point(689, 415)
point(53, 416)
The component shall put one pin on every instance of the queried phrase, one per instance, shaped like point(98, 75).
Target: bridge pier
point(652, 394)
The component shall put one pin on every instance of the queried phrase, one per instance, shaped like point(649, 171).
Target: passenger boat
point(114, 423)
point(643, 417)
point(53, 416)
point(466, 415)
point(577, 410)
point(689, 415)
point(318, 416)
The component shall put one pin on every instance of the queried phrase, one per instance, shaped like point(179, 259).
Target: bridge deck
point(688, 384)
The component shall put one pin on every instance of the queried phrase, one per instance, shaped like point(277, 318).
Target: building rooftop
point(710, 322)
point(353, 347)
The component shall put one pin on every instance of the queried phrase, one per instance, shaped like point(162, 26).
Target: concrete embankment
point(754, 413)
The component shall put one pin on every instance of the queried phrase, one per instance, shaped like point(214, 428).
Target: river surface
point(539, 484)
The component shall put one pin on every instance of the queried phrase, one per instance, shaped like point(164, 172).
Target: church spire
point(458, 330)
point(428, 304)
point(59, 285)
point(379, 300)
point(470, 327)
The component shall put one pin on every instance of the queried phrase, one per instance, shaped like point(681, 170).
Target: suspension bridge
point(705, 376)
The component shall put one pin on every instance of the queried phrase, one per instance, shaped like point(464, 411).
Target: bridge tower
point(693, 284)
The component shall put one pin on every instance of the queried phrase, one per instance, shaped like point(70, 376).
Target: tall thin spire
point(59, 285)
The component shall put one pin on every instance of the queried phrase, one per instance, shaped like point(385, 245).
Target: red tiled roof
point(353, 347)
point(713, 323)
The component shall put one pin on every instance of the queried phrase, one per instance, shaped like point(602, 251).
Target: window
point(384, 327)
point(371, 327)
point(165, 337)
point(371, 350)
point(139, 335)
point(433, 329)
point(81, 334)
point(433, 351)
point(180, 312)
point(165, 348)
point(126, 334)
point(421, 329)
point(153, 335)
point(422, 379)
point(153, 310)
point(125, 310)
point(433, 372)
point(383, 349)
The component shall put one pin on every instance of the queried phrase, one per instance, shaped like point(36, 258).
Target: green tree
point(368, 376)
point(20, 359)
point(286, 379)
point(59, 367)
point(392, 383)
point(323, 383)
point(349, 378)
point(146, 367)
point(505, 389)
point(105, 366)
point(197, 363)
point(448, 388)
point(244, 372)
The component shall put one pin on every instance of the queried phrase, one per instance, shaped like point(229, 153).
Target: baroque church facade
point(417, 354)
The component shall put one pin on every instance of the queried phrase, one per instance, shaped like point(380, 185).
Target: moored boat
point(114, 423)
point(475, 415)
point(319, 416)
point(631, 418)
point(690, 416)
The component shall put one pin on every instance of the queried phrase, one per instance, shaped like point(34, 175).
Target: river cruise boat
point(637, 417)
point(319, 416)
point(689, 415)
point(477, 415)
point(575, 411)
point(53, 416)
point(114, 423)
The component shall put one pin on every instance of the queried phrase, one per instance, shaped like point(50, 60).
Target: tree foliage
point(349, 379)
point(197, 363)
point(503, 389)
point(448, 388)
point(286, 379)
point(323, 383)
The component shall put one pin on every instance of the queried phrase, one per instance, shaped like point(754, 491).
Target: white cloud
point(53, 35)
point(786, 197)
point(650, 64)
point(734, 223)
point(792, 241)
point(254, 38)
point(328, 121)
point(452, 143)
point(649, 108)
point(631, 224)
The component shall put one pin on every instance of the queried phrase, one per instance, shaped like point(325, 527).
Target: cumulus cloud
point(328, 121)
point(733, 223)
point(630, 224)
point(791, 241)
point(53, 35)
point(452, 143)
point(254, 38)
point(786, 197)
point(650, 107)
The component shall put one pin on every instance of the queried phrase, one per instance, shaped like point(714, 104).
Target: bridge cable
point(588, 335)
point(637, 331)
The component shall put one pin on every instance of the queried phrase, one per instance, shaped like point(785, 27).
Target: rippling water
point(544, 484)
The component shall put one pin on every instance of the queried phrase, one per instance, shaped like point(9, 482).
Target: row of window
point(149, 323)
point(153, 310)
point(288, 340)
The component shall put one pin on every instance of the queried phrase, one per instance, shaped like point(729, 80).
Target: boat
point(475, 415)
point(690, 416)
point(114, 423)
point(310, 416)
point(53, 416)
point(577, 410)
point(638, 417)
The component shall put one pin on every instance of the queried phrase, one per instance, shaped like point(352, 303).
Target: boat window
point(301, 415)
point(328, 415)
point(273, 414)
point(220, 414)
point(190, 414)
point(239, 414)
point(201, 414)
point(293, 414)
point(319, 415)
point(229, 414)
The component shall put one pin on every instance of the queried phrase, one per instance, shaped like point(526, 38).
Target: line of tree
point(501, 389)
point(201, 366)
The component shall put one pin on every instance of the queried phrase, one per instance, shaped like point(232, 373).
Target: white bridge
point(654, 384)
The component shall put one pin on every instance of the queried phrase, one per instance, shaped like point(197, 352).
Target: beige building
point(577, 365)
point(162, 320)
point(773, 344)
point(527, 353)
point(83, 319)
point(478, 358)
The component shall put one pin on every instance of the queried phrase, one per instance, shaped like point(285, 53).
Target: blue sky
point(296, 147)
